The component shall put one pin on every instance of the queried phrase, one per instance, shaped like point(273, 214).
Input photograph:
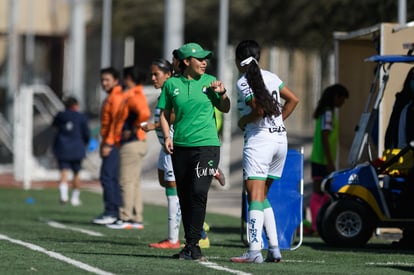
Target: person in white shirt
point(265, 145)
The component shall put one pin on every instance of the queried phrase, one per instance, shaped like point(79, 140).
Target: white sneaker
point(75, 201)
point(273, 255)
point(63, 191)
point(249, 257)
point(138, 225)
point(102, 219)
point(120, 224)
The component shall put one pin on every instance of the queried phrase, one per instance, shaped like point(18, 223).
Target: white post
point(223, 62)
point(223, 37)
point(23, 135)
point(173, 26)
point(12, 56)
point(28, 137)
point(106, 33)
point(106, 39)
point(129, 51)
point(77, 46)
point(30, 43)
point(402, 12)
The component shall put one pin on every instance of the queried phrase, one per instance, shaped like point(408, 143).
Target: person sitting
point(397, 136)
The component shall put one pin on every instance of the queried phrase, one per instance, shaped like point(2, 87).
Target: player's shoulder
point(242, 81)
point(172, 81)
point(208, 77)
point(269, 75)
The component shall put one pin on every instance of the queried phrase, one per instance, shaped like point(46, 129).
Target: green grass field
point(40, 236)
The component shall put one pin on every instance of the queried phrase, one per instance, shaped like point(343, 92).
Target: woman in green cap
point(195, 148)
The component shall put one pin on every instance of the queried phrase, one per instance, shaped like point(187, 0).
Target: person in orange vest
point(132, 151)
point(111, 127)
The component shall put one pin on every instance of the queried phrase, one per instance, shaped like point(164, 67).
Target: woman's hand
point(105, 150)
point(149, 126)
point(218, 87)
point(168, 145)
point(224, 104)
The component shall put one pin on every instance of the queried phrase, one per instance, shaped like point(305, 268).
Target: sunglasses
point(200, 59)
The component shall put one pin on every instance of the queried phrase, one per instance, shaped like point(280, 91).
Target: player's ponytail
point(248, 54)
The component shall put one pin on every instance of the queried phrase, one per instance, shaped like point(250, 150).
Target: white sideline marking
point(57, 256)
point(283, 260)
point(392, 264)
point(303, 261)
point(62, 226)
point(222, 268)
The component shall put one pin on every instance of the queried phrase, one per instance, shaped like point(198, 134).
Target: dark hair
point(402, 99)
point(137, 75)
point(327, 100)
point(181, 64)
point(406, 90)
point(70, 101)
point(175, 53)
point(269, 104)
point(110, 70)
point(163, 65)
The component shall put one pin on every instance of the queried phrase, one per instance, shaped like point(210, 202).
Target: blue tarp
point(286, 198)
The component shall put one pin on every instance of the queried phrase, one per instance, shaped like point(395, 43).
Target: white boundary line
point(304, 261)
point(57, 256)
point(391, 264)
point(213, 265)
point(62, 226)
point(222, 268)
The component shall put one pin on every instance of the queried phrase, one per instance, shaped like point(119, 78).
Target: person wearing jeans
point(111, 127)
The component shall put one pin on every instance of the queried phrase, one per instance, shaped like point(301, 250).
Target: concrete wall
point(40, 17)
point(43, 17)
point(301, 71)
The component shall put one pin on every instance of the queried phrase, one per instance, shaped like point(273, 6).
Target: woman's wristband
point(223, 92)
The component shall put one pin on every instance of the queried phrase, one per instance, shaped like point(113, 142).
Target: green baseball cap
point(193, 50)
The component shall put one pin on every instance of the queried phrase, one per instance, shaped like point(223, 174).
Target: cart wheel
point(319, 219)
point(347, 223)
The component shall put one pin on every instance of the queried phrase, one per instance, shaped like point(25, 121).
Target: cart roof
point(391, 58)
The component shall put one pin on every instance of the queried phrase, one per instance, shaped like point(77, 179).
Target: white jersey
point(158, 130)
point(164, 159)
point(265, 144)
point(245, 94)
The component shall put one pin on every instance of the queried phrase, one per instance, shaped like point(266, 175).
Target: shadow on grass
point(152, 256)
point(396, 266)
point(70, 221)
point(380, 248)
point(96, 241)
point(225, 230)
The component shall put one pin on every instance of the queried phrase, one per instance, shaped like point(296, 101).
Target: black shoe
point(190, 252)
point(184, 254)
point(196, 253)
